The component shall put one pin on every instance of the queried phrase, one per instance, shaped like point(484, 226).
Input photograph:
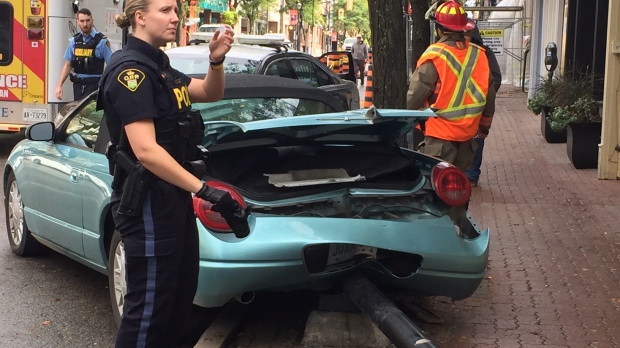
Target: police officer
point(86, 54)
point(145, 101)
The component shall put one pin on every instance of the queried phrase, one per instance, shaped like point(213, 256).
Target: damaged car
point(328, 192)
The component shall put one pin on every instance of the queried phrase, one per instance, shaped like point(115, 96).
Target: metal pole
point(401, 331)
point(594, 43)
point(495, 8)
point(575, 35)
point(312, 32)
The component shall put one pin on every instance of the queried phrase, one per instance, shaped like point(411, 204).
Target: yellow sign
point(341, 13)
point(492, 32)
point(494, 40)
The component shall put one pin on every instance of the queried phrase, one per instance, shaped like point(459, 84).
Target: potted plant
point(576, 111)
point(542, 104)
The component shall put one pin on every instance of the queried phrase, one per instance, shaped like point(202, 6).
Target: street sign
point(493, 39)
point(293, 17)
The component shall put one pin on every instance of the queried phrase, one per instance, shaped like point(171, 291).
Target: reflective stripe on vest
point(465, 84)
point(460, 92)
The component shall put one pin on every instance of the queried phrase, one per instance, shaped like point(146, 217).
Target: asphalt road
point(50, 300)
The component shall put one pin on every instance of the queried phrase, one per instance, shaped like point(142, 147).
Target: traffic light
point(349, 6)
point(341, 13)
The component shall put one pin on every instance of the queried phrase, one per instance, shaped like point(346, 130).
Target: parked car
point(327, 190)
point(348, 43)
point(204, 34)
point(275, 60)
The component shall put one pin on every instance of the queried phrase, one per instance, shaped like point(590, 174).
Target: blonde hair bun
point(122, 21)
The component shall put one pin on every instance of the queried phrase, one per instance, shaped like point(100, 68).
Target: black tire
point(20, 239)
point(117, 282)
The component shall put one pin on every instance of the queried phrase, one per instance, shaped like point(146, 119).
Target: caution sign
point(493, 39)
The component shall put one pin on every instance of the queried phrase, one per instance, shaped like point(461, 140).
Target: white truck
point(32, 52)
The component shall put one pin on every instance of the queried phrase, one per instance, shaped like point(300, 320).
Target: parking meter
point(551, 58)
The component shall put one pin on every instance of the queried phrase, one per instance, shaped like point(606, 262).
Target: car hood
point(365, 126)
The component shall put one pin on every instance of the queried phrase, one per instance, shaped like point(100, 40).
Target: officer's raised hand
point(230, 209)
point(221, 42)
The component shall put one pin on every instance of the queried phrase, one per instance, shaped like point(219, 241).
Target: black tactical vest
point(172, 128)
point(84, 60)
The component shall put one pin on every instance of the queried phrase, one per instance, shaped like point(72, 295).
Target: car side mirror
point(42, 131)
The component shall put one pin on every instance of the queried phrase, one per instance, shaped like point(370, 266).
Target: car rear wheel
point(21, 240)
point(117, 282)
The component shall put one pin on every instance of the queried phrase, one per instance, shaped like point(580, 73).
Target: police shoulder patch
point(107, 43)
point(131, 78)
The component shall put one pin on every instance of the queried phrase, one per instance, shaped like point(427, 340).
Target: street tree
point(251, 9)
point(355, 21)
point(388, 24)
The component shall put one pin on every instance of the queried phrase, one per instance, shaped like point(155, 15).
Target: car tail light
point(210, 219)
point(451, 184)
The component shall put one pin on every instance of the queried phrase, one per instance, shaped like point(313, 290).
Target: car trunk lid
point(366, 126)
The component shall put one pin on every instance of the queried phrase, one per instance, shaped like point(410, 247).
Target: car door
point(55, 193)
point(341, 63)
point(64, 200)
point(313, 73)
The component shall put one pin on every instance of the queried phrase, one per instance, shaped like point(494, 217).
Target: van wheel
point(21, 240)
point(117, 282)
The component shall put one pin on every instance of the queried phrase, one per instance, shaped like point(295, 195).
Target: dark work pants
point(161, 251)
point(82, 89)
point(473, 173)
point(360, 66)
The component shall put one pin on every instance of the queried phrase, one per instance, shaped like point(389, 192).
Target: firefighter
point(86, 55)
point(147, 108)
point(453, 77)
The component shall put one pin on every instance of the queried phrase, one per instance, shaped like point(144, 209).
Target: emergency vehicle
point(34, 35)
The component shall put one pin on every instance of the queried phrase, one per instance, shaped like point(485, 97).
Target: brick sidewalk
point(553, 276)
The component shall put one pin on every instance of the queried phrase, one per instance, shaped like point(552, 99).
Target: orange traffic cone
point(368, 91)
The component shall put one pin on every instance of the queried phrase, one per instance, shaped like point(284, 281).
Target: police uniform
point(87, 55)
point(161, 241)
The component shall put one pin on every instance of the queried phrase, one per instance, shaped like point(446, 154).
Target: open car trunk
point(338, 164)
point(276, 173)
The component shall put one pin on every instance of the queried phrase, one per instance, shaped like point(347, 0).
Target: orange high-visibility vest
point(461, 90)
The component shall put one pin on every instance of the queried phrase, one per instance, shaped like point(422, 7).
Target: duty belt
point(74, 78)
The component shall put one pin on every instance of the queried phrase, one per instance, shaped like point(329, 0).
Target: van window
point(6, 33)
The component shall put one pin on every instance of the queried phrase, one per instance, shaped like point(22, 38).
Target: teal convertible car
point(328, 192)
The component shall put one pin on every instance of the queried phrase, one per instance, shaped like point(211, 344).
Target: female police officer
point(144, 99)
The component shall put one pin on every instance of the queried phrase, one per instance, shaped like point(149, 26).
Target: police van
point(34, 36)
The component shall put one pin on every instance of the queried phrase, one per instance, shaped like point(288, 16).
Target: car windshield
point(256, 109)
point(350, 40)
point(200, 65)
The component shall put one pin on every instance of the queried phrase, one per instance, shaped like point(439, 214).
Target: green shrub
point(570, 97)
point(573, 99)
point(230, 18)
point(542, 97)
point(584, 109)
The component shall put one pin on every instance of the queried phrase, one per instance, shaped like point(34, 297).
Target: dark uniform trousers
point(83, 87)
point(161, 251)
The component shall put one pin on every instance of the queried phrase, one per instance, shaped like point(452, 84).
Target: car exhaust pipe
point(396, 326)
point(245, 297)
